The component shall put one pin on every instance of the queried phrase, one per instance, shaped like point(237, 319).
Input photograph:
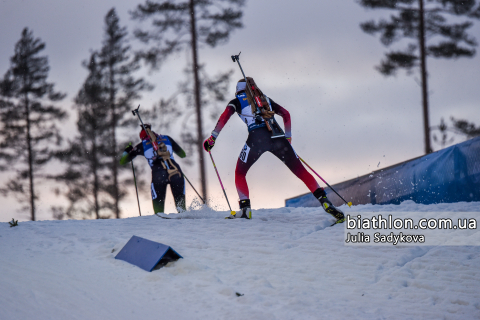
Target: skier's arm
point(176, 148)
point(224, 117)
point(229, 111)
point(282, 112)
point(130, 153)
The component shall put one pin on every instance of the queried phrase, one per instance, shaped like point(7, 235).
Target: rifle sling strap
point(167, 162)
point(163, 153)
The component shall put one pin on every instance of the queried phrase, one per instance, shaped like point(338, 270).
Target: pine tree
point(183, 25)
point(86, 176)
point(463, 127)
point(425, 23)
point(460, 127)
point(444, 138)
point(214, 91)
point(122, 89)
point(28, 119)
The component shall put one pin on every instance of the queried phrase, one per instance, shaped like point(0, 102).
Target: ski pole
point(135, 113)
point(221, 184)
point(348, 203)
point(136, 189)
point(152, 140)
point(194, 188)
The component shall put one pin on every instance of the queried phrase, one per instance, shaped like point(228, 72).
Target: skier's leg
point(321, 195)
point(246, 159)
point(245, 209)
point(284, 151)
point(250, 153)
point(177, 185)
point(159, 190)
point(257, 143)
point(240, 177)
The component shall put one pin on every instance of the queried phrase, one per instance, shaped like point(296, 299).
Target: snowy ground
point(288, 264)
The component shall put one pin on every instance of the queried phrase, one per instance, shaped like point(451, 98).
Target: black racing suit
point(259, 141)
point(160, 176)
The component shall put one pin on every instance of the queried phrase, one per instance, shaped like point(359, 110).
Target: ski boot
point(321, 195)
point(245, 210)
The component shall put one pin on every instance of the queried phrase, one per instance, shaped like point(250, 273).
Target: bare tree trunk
point(95, 176)
point(423, 66)
point(193, 32)
point(114, 143)
point(30, 158)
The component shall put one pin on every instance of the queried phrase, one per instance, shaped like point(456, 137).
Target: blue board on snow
point(147, 254)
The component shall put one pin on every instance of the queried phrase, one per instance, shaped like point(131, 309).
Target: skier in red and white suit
point(259, 141)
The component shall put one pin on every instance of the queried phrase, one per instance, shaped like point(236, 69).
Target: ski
point(338, 222)
point(174, 216)
point(166, 216)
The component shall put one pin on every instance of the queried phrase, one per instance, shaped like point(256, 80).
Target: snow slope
point(288, 264)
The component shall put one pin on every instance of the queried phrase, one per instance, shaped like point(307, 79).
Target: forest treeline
point(32, 110)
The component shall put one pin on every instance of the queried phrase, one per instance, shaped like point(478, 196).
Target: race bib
point(244, 154)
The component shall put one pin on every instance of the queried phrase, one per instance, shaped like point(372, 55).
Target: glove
point(289, 139)
point(209, 143)
point(126, 155)
point(129, 148)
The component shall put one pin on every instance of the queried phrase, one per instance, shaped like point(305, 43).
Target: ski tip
point(338, 222)
point(349, 204)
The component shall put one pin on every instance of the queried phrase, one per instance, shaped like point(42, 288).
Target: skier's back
point(165, 170)
point(259, 141)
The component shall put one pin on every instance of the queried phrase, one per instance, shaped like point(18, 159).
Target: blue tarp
point(449, 175)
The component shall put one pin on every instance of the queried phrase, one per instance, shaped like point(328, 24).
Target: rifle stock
point(159, 151)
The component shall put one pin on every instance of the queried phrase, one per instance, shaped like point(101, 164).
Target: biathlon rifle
point(261, 104)
point(159, 151)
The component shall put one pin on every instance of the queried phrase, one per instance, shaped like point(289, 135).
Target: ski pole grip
point(135, 111)
point(236, 58)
